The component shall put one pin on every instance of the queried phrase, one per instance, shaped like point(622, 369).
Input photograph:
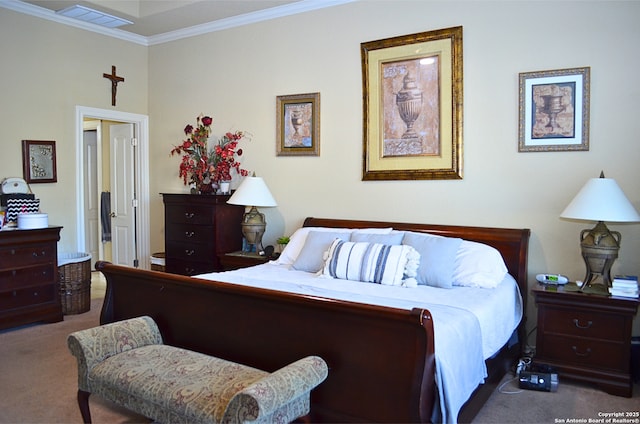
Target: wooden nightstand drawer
point(238, 260)
point(582, 323)
point(594, 353)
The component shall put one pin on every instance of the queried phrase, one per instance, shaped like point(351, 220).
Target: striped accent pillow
point(372, 263)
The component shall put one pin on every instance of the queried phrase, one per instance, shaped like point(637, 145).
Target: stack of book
point(624, 286)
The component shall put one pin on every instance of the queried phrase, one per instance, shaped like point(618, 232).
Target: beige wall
point(47, 70)
point(236, 74)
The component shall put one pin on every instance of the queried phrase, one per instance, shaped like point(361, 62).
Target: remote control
point(552, 279)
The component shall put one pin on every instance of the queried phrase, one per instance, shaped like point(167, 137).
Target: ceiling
point(156, 21)
point(154, 17)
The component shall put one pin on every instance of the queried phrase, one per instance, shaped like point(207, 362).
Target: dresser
point(29, 276)
point(586, 337)
point(199, 228)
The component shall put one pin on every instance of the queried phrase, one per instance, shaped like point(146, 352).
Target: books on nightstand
point(625, 286)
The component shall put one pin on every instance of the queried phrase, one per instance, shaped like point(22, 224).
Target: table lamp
point(253, 193)
point(601, 199)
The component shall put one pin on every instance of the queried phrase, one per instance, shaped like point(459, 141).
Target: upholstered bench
point(127, 363)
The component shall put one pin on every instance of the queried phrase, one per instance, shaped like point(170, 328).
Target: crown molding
point(222, 24)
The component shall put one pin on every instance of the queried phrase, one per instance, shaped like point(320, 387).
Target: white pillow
point(311, 257)
point(296, 242)
point(478, 265)
point(372, 263)
point(297, 239)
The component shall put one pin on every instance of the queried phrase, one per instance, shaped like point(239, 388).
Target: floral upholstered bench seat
point(127, 363)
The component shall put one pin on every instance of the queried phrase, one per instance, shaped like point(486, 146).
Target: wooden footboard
point(381, 360)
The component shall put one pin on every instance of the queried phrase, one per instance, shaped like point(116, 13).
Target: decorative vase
point(225, 187)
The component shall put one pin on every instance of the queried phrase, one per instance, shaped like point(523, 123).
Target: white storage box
point(29, 221)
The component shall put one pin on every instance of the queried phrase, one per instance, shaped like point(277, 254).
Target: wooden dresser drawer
point(190, 233)
point(21, 277)
point(189, 267)
point(28, 296)
point(190, 251)
point(13, 257)
point(189, 214)
point(584, 323)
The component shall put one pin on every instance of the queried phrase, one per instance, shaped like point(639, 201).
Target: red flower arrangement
point(195, 161)
point(201, 168)
point(223, 157)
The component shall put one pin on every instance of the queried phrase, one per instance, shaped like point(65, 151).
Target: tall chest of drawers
point(198, 229)
point(29, 276)
point(586, 337)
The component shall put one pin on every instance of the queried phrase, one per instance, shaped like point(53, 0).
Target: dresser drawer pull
point(189, 215)
point(190, 252)
point(189, 234)
point(575, 350)
point(577, 324)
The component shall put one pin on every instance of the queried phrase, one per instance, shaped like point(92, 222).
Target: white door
point(123, 196)
point(91, 197)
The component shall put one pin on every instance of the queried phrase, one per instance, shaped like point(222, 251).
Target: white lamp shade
point(601, 199)
point(253, 192)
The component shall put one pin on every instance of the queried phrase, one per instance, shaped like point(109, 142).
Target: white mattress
point(470, 324)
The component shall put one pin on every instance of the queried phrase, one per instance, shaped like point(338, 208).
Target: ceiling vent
point(93, 16)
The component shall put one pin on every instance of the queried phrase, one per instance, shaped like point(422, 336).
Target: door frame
point(141, 123)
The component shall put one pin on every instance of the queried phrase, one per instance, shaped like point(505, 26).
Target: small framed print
point(298, 125)
point(554, 110)
point(39, 161)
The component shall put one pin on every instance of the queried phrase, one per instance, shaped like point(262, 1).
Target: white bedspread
point(470, 324)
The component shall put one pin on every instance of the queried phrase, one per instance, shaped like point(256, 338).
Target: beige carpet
point(573, 402)
point(38, 375)
point(38, 383)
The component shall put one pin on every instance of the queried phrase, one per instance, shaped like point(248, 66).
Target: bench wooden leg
point(305, 419)
point(83, 403)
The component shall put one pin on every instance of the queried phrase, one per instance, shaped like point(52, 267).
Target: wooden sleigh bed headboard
point(266, 329)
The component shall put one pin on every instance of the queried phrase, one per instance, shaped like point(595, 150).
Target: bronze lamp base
point(599, 250)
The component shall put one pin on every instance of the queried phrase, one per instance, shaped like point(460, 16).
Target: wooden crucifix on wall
point(114, 83)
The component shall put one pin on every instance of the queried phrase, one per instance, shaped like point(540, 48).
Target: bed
point(382, 357)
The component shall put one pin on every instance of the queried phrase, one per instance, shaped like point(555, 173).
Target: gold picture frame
point(39, 161)
point(298, 125)
point(412, 100)
point(554, 110)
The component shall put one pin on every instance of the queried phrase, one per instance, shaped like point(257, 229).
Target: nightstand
point(235, 260)
point(586, 337)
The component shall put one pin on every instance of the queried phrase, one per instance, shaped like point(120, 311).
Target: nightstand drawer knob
point(189, 215)
point(586, 353)
point(578, 325)
point(189, 234)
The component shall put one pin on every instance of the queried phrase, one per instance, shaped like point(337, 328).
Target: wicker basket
point(158, 262)
point(74, 271)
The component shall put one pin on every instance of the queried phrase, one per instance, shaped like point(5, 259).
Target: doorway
point(135, 244)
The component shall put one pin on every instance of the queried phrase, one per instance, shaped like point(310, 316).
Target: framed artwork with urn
point(554, 110)
point(412, 101)
point(298, 125)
